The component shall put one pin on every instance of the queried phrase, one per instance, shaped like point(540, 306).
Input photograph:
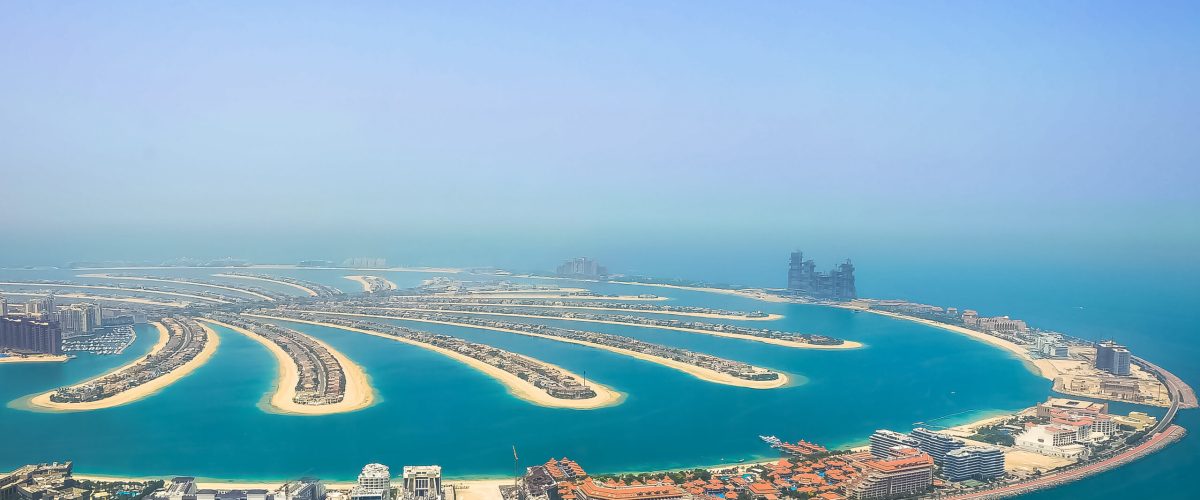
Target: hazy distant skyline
point(604, 125)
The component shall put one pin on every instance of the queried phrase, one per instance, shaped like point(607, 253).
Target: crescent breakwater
point(703, 366)
point(527, 378)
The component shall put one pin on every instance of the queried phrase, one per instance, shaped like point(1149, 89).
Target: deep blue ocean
point(434, 410)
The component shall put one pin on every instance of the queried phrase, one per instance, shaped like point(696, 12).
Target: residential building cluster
point(322, 380)
point(322, 291)
point(578, 304)
point(735, 369)
point(955, 460)
point(837, 284)
point(186, 340)
point(555, 382)
point(805, 338)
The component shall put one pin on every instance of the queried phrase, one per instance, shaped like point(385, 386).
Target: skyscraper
point(30, 335)
point(1113, 358)
point(582, 267)
point(837, 284)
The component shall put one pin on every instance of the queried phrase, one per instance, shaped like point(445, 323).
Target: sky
point(523, 132)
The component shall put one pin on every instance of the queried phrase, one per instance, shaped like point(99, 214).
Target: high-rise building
point(374, 483)
point(3, 306)
point(906, 475)
point(582, 267)
point(984, 463)
point(305, 488)
point(422, 482)
point(30, 335)
point(884, 443)
point(40, 307)
point(936, 445)
point(837, 284)
point(73, 321)
point(1113, 358)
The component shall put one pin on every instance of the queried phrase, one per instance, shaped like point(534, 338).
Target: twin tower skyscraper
point(837, 284)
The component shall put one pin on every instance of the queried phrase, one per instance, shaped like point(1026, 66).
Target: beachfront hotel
point(374, 483)
point(422, 482)
point(910, 473)
point(884, 443)
point(837, 284)
point(589, 490)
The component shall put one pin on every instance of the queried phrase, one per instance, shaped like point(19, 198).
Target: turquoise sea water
point(434, 410)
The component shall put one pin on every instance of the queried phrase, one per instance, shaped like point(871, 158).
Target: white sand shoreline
point(518, 387)
point(358, 392)
point(366, 285)
point(768, 317)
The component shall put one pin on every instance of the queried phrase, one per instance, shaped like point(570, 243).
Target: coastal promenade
point(183, 346)
point(705, 367)
point(785, 339)
point(313, 378)
point(372, 284)
point(527, 378)
point(258, 294)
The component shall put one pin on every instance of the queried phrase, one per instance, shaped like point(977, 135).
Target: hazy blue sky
point(1067, 128)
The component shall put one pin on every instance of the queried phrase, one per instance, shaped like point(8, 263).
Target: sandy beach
point(309, 291)
point(42, 401)
point(129, 290)
point(769, 317)
point(131, 300)
point(366, 285)
point(780, 342)
point(359, 393)
point(1042, 367)
point(32, 358)
point(465, 489)
point(518, 387)
point(179, 281)
point(695, 371)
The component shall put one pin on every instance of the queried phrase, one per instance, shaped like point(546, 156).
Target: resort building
point(935, 444)
point(1053, 441)
point(305, 488)
point(582, 267)
point(374, 483)
point(906, 475)
point(589, 490)
point(1076, 406)
point(1136, 421)
point(422, 482)
point(884, 443)
point(837, 284)
point(565, 469)
point(177, 489)
point(1113, 358)
point(995, 324)
point(983, 463)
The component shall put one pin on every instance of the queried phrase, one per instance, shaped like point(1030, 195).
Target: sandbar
point(733, 317)
point(32, 358)
point(516, 386)
point(42, 401)
point(693, 370)
point(846, 344)
point(358, 391)
point(302, 288)
point(366, 285)
point(132, 290)
point(178, 281)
